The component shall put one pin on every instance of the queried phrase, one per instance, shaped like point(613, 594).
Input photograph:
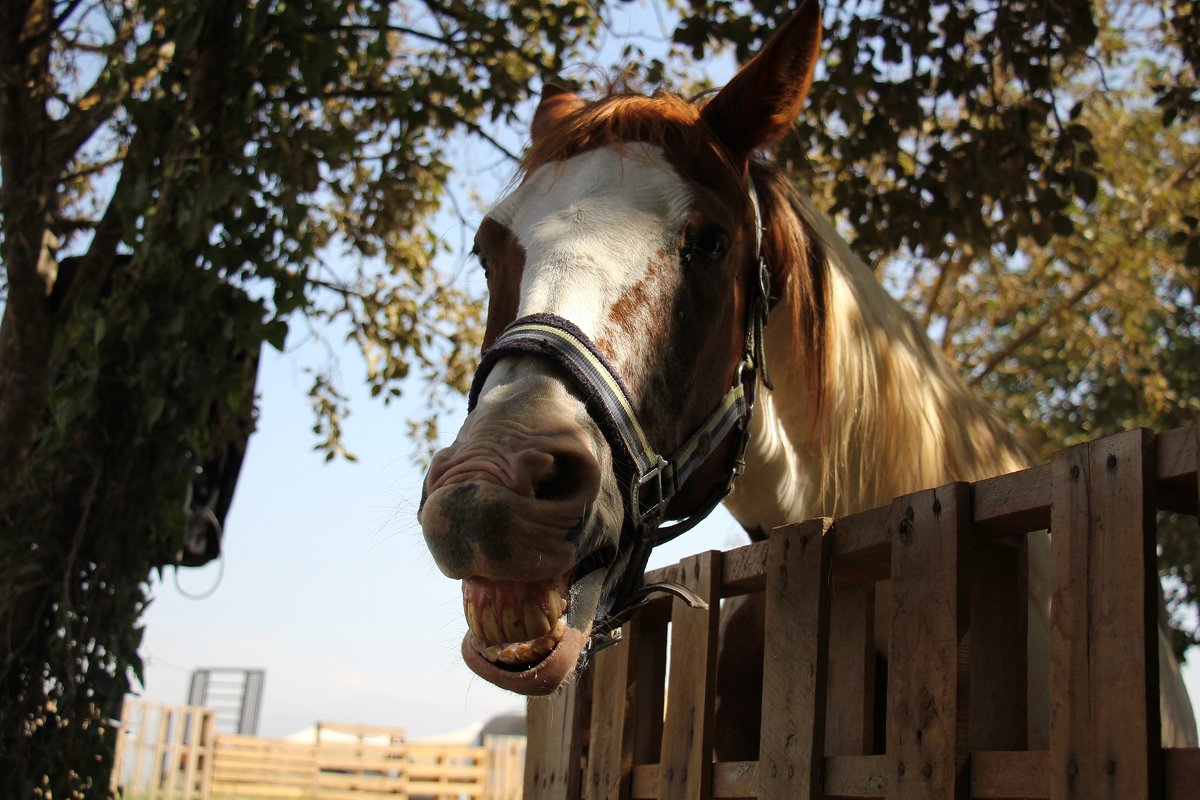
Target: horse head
point(621, 356)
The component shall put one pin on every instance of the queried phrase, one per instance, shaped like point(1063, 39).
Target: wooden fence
point(170, 753)
point(640, 722)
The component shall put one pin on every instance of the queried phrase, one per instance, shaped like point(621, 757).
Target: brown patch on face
point(504, 258)
point(644, 305)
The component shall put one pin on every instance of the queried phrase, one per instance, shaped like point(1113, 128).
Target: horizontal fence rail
point(169, 752)
point(952, 712)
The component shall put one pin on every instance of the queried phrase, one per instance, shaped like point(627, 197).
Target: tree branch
point(106, 94)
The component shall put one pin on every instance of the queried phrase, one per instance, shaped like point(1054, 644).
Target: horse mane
point(891, 414)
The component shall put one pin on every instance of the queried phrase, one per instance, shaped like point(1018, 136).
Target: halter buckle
point(651, 502)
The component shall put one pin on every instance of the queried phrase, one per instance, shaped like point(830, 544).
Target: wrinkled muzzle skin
point(524, 509)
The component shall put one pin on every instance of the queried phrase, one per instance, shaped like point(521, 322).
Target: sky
point(325, 582)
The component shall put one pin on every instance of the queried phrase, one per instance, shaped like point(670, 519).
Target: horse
point(629, 377)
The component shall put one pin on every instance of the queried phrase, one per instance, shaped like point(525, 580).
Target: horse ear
point(556, 105)
point(758, 106)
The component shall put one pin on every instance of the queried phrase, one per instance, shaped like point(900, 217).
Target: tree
point(1025, 178)
point(181, 179)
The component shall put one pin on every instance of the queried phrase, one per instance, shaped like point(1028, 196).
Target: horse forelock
point(663, 119)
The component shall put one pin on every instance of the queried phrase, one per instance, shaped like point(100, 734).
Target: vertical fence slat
point(792, 744)
point(555, 725)
point(1104, 720)
point(140, 745)
point(610, 744)
point(208, 728)
point(685, 771)
point(927, 664)
point(158, 752)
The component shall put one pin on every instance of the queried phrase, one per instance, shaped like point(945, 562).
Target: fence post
point(685, 770)
point(555, 726)
point(1105, 732)
point(795, 658)
point(928, 663)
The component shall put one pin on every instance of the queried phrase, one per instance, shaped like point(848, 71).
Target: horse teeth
point(560, 627)
point(514, 626)
point(536, 621)
point(491, 627)
point(473, 621)
point(492, 653)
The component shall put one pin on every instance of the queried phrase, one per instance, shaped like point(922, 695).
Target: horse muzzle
point(523, 509)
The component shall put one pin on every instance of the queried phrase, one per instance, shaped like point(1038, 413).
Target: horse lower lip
point(542, 678)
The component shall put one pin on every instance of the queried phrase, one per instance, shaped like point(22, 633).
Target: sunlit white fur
point(590, 226)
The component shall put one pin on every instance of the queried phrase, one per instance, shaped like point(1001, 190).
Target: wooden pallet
point(636, 726)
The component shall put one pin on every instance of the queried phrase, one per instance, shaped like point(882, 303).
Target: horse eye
point(706, 245)
point(481, 258)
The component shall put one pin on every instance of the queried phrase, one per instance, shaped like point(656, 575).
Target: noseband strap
point(654, 479)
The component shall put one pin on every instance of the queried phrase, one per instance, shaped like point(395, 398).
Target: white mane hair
point(890, 415)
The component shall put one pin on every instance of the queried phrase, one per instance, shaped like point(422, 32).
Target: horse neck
point(889, 417)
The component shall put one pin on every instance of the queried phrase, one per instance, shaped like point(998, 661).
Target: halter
point(655, 479)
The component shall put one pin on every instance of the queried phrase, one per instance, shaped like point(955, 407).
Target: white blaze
point(590, 227)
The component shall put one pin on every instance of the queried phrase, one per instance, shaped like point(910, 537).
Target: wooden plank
point(735, 779)
point(1018, 502)
point(795, 660)
point(208, 738)
point(1104, 713)
point(856, 776)
point(1181, 772)
point(1009, 775)
point(685, 771)
point(552, 762)
point(744, 569)
point(850, 708)
point(161, 744)
point(999, 641)
point(644, 784)
point(927, 666)
point(1176, 452)
point(862, 549)
point(610, 745)
point(193, 726)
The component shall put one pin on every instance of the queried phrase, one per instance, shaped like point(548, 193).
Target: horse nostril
point(559, 481)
